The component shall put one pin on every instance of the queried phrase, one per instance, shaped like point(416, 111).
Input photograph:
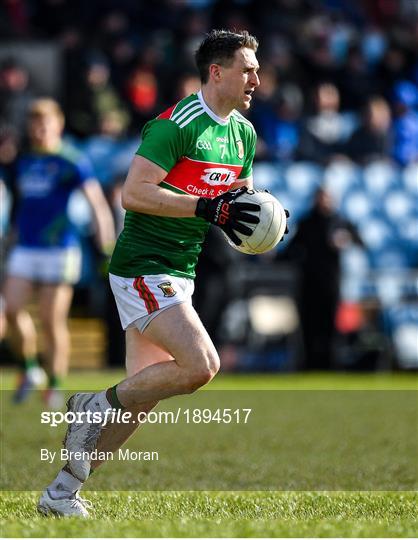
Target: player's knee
point(214, 364)
point(203, 372)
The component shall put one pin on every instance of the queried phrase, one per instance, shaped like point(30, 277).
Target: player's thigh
point(141, 352)
point(55, 302)
point(180, 331)
point(17, 292)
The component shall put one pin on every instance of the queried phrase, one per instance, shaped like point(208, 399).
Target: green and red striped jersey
point(204, 155)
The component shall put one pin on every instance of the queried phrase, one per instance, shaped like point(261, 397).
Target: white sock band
point(64, 482)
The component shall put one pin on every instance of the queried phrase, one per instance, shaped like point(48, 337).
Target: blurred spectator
point(321, 60)
point(94, 97)
point(101, 148)
point(287, 128)
point(390, 69)
point(373, 44)
point(405, 125)
point(188, 83)
point(355, 81)
point(315, 248)
point(15, 94)
point(373, 139)
point(142, 94)
point(110, 150)
point(323, 134)
point(192, 26)
point(142, 86)
point(262, 113)
point(277, 120)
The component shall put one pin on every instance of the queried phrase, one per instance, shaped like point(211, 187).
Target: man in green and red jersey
point(194, 161)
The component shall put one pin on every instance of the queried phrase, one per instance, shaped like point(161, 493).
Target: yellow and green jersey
point(204, 155)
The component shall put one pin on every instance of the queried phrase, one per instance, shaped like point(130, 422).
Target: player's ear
point(215, 72)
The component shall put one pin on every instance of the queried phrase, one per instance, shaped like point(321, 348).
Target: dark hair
point(219, 47)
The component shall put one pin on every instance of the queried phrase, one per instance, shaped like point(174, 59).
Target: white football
point(266, 234)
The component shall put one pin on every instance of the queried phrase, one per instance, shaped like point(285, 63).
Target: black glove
point(228, 214)
point(286, 231)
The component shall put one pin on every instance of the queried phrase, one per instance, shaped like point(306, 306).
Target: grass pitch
point(220, 513)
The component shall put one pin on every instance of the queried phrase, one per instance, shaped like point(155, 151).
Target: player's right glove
point(226, 212)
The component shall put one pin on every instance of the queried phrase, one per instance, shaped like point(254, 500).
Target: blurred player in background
point(45, 255)
point(180, 181)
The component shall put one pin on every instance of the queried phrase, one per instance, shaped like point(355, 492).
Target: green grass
point(99, 379)
point(232, 513)
point(193, 514)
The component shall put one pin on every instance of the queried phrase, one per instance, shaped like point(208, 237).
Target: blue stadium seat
point(410, 179)
point(389, 289)
point(303, 178)
point(296, 205)
point(268, 176)
point(402, 324)
point(397, 205)
point(409, 228)
point(389, 259)
point(356, 206)
point(378, 237)
point(355, 270)
point(380, 177)
point(340, 177)
point(407, 232)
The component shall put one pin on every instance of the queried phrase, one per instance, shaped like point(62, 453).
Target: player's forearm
point(152, 199)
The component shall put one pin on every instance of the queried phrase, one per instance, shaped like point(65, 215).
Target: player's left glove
point(286, 231)
point(230, 215)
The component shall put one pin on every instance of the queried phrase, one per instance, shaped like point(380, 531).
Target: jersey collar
point(209, 111)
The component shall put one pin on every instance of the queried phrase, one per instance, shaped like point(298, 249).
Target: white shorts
point(45, 265)
point(139, 300)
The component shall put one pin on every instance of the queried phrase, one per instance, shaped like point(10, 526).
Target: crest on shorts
point(240, 148)
point(167, 289)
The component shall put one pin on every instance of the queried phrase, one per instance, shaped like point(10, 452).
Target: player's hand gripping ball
point(252, 221)
point(229, 214)
point(270, 229)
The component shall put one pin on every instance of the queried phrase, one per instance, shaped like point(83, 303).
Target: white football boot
point(66, 506)
point(83, 436)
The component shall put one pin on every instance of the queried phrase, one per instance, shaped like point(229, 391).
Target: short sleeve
point(249, 149)
point(161, 143)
